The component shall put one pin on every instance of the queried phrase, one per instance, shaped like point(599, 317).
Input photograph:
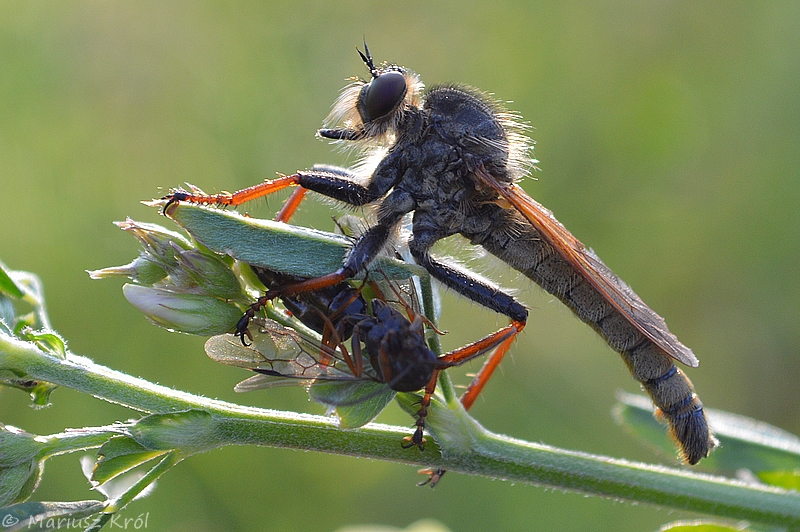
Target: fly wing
point(589, 265)
point(280, 355)
point(261, 381)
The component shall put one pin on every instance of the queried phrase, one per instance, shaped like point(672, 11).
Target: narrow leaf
point(7, 286)
point(119, 455)
point(789, 480)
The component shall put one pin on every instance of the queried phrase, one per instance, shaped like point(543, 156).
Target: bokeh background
point(668, 136)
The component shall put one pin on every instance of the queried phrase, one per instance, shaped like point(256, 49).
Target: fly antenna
point(368, 59)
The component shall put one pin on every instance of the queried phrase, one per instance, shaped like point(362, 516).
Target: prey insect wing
point(611, 287)
point(281, 356)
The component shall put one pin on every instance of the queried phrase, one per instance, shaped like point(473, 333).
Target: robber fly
point(394, 354)
point(451, 156)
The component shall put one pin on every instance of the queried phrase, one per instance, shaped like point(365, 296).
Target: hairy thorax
point(438, 154)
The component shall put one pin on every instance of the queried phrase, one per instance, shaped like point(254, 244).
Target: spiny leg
point(331, 181)
point(234, 198)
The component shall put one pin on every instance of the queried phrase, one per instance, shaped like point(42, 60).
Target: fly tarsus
point(242, 325)
point(434, 476)
point(179, 195)
point(175, 197)
point(415, 440)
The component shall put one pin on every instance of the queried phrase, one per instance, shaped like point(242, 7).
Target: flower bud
point(143, 270)
point(203, 272)
point(155, 261)
point(170, 262)
point(189, 313)
point(157, 240)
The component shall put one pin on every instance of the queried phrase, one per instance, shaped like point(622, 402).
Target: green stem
point(467, 448)
point(597, 475)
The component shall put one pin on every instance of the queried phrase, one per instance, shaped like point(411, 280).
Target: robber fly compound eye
point(382, 95)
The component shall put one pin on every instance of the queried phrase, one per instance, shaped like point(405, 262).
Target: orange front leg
point(235, 198)
point(291, 204)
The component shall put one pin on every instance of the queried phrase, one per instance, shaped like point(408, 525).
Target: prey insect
point(451, 156)
point(333, 298)
point(388, 353)
point(326, 311)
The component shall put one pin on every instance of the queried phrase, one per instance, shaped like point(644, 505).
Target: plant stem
point(463, 445)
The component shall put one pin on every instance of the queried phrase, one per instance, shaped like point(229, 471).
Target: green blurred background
point(668, 136)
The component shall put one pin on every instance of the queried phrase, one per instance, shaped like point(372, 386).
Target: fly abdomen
point(523, 248)
point(669, 388)
point(674, 396)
